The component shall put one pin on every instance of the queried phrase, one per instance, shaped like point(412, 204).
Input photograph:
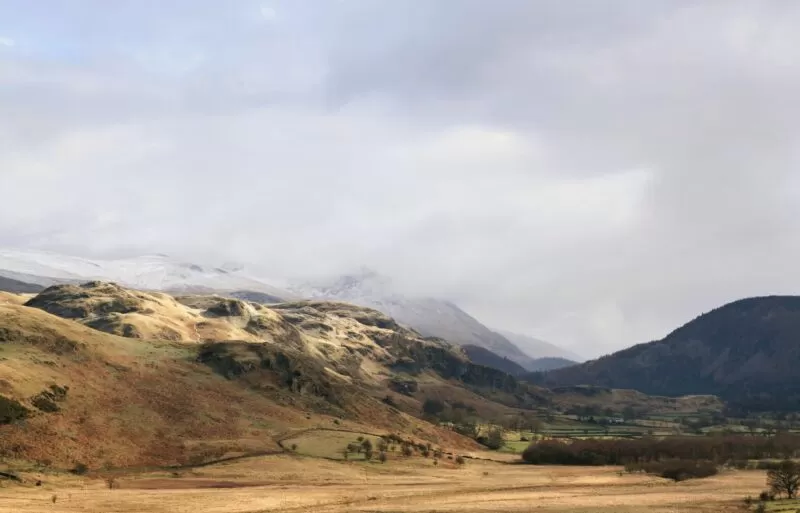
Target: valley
point(300, 484)
point(117, 399)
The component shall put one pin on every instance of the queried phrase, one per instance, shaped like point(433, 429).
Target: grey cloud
point(590, 173)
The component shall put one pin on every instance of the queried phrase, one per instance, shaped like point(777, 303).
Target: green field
point(784, 505)
point(323, 443)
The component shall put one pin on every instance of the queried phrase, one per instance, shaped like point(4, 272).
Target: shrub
point(382, 457)
point(407, 452)
point(11, 411)
point(681, 470)
point(460, 460)
point(366, 445)
point(766, 495)
point(432, 407)
point(294, 447)
point(493, 440)
point(739, 464)
point(80, 469)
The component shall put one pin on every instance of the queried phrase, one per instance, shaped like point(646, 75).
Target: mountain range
point(30, 271)
point(115, 377)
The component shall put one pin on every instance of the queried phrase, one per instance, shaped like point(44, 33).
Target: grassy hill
point(747, 352)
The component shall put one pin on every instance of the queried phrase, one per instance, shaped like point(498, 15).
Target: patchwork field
point(304, 485)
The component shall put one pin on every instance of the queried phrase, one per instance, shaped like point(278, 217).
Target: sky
point(591, 173)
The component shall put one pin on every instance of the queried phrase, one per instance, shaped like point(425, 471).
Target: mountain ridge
point(746, 351)
point(147, 272)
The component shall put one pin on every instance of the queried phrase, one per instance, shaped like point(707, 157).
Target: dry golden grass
point(13, 299)
point(303, 485)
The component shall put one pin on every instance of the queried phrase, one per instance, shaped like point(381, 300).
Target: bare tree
point(784, 479)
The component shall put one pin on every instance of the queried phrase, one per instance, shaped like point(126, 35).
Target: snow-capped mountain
point(429, 316)
point(150, 272)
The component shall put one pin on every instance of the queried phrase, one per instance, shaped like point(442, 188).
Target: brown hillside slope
point(100, 399)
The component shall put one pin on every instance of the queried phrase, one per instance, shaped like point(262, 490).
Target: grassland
point(303, 485)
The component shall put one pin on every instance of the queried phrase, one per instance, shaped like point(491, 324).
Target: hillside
point(429, 316)
point(747, 352)
point(483, 356)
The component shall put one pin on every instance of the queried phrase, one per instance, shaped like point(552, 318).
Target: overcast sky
point(591, 173)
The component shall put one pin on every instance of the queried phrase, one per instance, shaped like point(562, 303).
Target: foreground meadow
point(301, 484)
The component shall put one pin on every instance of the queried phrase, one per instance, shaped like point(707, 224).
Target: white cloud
point(595, 175)
point(7, 41)
point(268, 13)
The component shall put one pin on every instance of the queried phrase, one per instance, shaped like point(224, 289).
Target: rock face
point(747, 351)
point(152, 315)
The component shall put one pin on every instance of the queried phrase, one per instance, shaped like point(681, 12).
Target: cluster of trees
point(717, 449)
point(455, 412)
point(391, 443)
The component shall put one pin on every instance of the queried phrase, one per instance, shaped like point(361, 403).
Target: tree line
point(717, 449)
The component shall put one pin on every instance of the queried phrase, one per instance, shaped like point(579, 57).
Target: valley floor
point(305, 485)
